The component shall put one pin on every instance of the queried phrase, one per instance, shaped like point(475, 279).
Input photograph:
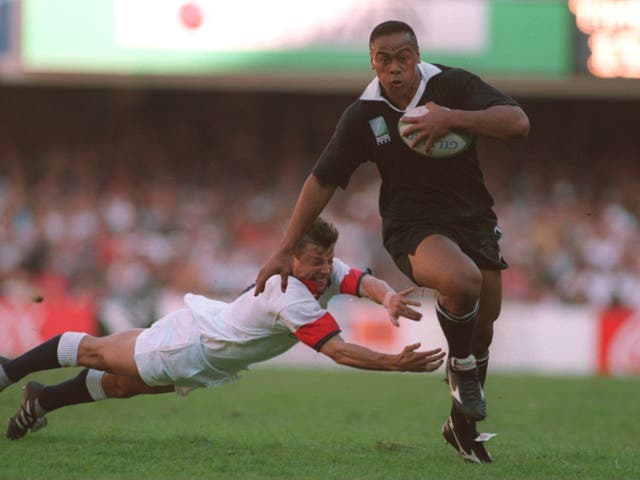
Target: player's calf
point(59, 351)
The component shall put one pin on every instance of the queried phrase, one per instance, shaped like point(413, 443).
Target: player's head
point(313, 254)
point(394, 54)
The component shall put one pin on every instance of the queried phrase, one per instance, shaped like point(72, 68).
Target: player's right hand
point(280, 263)
point(408, 360)
point(428, 127)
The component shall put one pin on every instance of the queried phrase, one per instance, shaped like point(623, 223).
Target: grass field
point(335, 424)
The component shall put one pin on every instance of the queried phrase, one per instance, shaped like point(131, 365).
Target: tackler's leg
point(87, 386)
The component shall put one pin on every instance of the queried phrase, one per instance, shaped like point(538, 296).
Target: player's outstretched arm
point(408, 360)
point(312, 200)
point(396, 303)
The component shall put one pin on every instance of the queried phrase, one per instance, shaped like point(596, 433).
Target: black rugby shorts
point(478, 239)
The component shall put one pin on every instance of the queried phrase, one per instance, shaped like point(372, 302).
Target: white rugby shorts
point(169, 353)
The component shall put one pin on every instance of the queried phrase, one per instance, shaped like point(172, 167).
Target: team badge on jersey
point(380, 130)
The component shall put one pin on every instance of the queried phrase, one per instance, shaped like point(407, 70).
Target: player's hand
point(397, 305)
point(280, 263)
point(409, 360)
point(429, 127)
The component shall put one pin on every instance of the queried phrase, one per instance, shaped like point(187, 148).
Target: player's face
point(314, 264)
point(395, 58)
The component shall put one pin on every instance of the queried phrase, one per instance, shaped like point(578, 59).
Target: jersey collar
point(311, 285)
point(373, 92)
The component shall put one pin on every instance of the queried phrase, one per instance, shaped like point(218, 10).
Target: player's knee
point(464, 286)
point(90, 354)
point(117, 387)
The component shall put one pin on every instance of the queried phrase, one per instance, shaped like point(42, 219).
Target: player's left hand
point(279, 263)
point(397, 305)
point(429, 127)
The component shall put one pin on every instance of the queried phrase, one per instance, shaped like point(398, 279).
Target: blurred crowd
point(134, 197)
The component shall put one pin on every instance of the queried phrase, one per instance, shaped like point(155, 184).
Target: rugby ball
point(447, 146)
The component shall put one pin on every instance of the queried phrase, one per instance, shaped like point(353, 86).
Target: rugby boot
point(469, 444)
point(26, 418)
point(465, 387)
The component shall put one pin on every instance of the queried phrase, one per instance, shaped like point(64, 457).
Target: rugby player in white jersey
point(209, 342)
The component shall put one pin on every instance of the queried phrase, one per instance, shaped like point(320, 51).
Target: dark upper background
point(132, 192)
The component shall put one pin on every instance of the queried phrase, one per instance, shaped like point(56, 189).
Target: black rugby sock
point(42, 357)
point(482, 363)
point(71, 392)
point(458, 330)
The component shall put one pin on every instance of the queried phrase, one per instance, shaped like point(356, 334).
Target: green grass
point(336, 424)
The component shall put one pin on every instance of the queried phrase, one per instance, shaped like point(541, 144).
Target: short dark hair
point(321, 233)
point(392, 26)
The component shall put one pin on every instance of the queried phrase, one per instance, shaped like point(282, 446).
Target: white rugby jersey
point(253, 329)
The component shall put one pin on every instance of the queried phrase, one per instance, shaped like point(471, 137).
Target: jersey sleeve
point(310, 323)
point(347, 278)
point(473, 93)
point(303, 315)
point(344, 153)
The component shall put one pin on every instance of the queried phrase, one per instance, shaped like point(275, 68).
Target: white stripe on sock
point(94, 385)
point(463, 364)
point(68, 348)
point(458, 318)
point(483, 359)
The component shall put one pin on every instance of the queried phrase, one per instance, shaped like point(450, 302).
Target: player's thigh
point(113, 354)
point(438, 263)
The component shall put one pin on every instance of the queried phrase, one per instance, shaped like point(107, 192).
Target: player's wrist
point(457, 120)
point(387, 299)
point(395, 364)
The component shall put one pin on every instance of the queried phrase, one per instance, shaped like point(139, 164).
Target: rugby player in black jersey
point(437, 218)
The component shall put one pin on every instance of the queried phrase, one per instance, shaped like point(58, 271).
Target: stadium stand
point(143, 194)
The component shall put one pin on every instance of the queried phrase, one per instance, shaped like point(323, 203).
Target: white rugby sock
point(94, 385)
point(68, 348)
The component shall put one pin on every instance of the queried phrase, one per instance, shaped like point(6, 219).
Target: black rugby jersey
point(415, 188)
